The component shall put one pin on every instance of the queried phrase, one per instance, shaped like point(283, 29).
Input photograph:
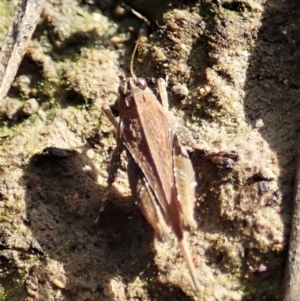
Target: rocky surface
point(233, 80)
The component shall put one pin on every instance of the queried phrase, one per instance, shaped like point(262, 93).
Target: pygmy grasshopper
point(160, 173)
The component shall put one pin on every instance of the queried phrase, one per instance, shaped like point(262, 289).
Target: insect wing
point(149, 141)
point(147, 200)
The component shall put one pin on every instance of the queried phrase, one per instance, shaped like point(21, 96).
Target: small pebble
point(262, 268)
point(180, 91)
point(10, 107)
point(120, 11)
point(30, 107)
point(58, 283)
point(259, 123)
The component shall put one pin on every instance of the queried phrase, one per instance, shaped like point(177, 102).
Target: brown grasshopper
point(160, 173)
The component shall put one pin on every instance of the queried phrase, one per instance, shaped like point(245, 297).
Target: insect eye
point(141, 83)
point(123, 89)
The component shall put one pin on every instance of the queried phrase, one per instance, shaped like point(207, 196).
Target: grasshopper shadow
point(62, 199)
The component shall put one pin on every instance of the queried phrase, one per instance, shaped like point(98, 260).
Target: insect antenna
point(139, 43)
point(132, 58)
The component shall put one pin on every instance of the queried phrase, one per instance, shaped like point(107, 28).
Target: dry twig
point(292, 273)
point(15, 43)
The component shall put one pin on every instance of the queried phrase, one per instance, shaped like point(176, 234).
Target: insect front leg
point(115, 161)
point(162, 90)
point(184, 135)
point(107, 111)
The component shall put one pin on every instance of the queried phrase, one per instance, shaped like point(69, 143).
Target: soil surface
point(233, 80)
